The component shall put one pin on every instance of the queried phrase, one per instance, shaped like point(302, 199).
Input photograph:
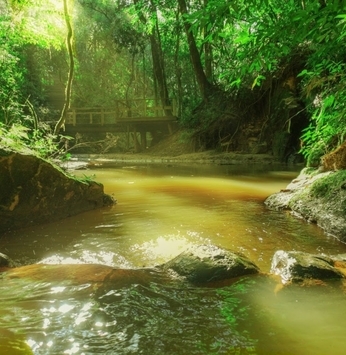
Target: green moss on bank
point(330, 185)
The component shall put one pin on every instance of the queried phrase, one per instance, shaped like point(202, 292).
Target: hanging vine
point(68, 89)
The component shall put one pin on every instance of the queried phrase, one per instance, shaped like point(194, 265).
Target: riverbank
point(33, 191)
point(318, 197)
point(207, 157)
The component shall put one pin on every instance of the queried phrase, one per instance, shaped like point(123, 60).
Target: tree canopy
point(230, 66)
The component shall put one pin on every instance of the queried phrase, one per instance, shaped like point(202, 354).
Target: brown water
point(162, 210)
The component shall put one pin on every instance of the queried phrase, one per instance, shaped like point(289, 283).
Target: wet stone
point(296, 266)
point(33, 191)
point(208, 263)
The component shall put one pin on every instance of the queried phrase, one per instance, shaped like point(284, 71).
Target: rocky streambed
point(203, 265)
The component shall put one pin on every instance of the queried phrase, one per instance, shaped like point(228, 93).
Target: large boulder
point(208, 263)
point(297, 266)
point(33, 191)
point(318, 197)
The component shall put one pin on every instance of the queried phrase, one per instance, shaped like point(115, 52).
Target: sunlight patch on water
point(58, 289)
point(58, 259)
point(161, 249)
point(74, 348)
point(88, 257)
point(109, 226)
point(84, 313)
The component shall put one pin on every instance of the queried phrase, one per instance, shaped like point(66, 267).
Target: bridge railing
point(122, 111)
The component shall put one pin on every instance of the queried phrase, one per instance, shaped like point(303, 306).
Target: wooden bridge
point(134, 117)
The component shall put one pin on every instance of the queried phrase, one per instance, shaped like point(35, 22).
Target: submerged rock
point(296, 266)
point(33, 191)
point(208, 263)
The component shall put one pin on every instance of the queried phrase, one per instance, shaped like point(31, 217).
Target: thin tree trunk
point(204, 85)
point(68, 88)
point(178, 73)
point(132, 76)
point(208, 52)
point(159, 73)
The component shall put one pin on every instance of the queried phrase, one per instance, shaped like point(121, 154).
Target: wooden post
point(135, 140)
point(143, 139)
point(170, 130)
point(127, 136)
point(174, 107)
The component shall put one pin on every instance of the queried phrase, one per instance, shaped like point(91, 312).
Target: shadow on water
point(161, 210)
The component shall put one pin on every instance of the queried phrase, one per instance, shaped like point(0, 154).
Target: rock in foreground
point(296, 266)
point(208, 263)
point(32, 191)
point(200, 264)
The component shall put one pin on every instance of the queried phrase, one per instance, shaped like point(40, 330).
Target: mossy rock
point(296, 266)
point(33, 191)
point(208, 263)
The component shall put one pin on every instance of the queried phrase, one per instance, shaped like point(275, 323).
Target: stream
point(163, 209)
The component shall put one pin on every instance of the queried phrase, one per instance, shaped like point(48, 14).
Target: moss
point(315, 155)
point(329, 185)
point(310, 171)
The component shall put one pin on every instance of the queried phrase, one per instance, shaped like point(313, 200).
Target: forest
point(251, 76)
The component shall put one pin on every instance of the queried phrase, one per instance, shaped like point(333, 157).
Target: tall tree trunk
point(68, 88)
point(159, 72)
point(178, 75)
point(208, 61)
point(157, 57)
point(204, 85)
point(178, 69)
point(208, 52)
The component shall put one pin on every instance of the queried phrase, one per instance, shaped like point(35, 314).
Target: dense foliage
point(269, 64)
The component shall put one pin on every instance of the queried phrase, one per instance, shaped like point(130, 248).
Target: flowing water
point(162, 210)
